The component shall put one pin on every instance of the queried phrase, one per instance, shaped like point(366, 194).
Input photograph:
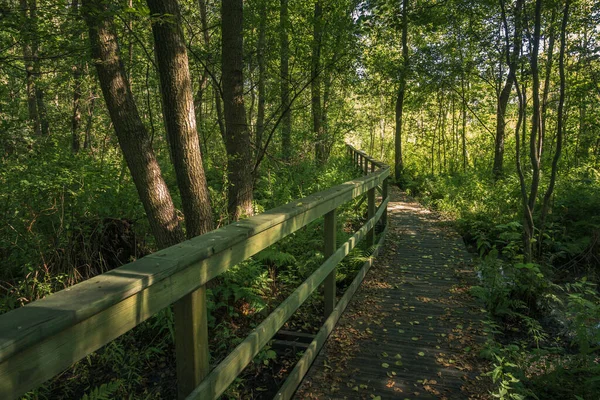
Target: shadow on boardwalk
point(411, 329)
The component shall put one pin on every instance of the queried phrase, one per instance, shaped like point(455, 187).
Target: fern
point(275, 257)
point(105, 391)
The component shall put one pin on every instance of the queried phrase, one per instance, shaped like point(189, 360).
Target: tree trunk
point(76, 117)
point(215, 85)
point(549, 61)
point(237, 135)
point(131, 132)
point(559, 124)
point(399, 162)
point(262, 75)
point(286, 126)
point(77, 72)
point(87, 143)
point(42, 113)
point(500, 127)
point(26, 37)
point(317, 112)
point(179, 115)
point(464, 124)
point(511, 60)
point(534, 139)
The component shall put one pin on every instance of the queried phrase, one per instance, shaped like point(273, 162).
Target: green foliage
point(508, 385)
point(106, 391)
point(583, 312)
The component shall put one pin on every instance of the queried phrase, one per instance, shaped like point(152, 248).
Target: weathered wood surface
point(410, 329)
point(224, 373)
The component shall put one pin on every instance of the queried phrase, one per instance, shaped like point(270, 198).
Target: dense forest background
point(127, 125)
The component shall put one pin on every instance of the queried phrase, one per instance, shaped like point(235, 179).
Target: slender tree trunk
point(76, 116)
point(464, 124)
point(87, 143)
point(237, 136)
point(382, 128)
point(131, 132)
point(262, 76)
point(215, 85)
point(399, 162)
point(549, 62)
point(535, 138)
point(315, 87)
point(77, 72)
point(500, 127)
point(26, 35)
point(42, 113)
point(179, 115)
point(559, 123)
point(511, 60)
point(286, 123)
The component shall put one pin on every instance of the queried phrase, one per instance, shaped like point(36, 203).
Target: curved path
point(411, 329)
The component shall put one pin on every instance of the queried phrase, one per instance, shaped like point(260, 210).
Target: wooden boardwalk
point(411, 329)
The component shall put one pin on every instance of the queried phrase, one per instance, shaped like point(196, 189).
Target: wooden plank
point(385, 196)
point(329, 231)
point(221, 377)
point(283, 344)
point(370, 213)
point(294, 335)
point(191, 341)
point(293, 380)
point(45, 337)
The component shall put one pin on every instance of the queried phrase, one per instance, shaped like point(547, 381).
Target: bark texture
point(399, 163)
point(179, 115)
point(315, 88)
point(237, 134)
point(131, 133)
point(286, 122)
point(511, 59)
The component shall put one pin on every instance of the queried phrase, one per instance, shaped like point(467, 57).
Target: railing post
point(371, 214)
point(330, 248)
point(191, 341)
point(384, 195)
point(373, 166)
point(366, 166)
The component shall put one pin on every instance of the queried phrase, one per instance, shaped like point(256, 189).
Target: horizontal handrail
point(43, 338)
point(223, 374)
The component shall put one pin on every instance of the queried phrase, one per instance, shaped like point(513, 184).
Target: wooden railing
point(43, 338)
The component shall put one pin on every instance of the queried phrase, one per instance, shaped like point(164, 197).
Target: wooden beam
point(370, 214)
point(191, 341)
point(293, 380)
point(226, 372)
point(329, 230)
